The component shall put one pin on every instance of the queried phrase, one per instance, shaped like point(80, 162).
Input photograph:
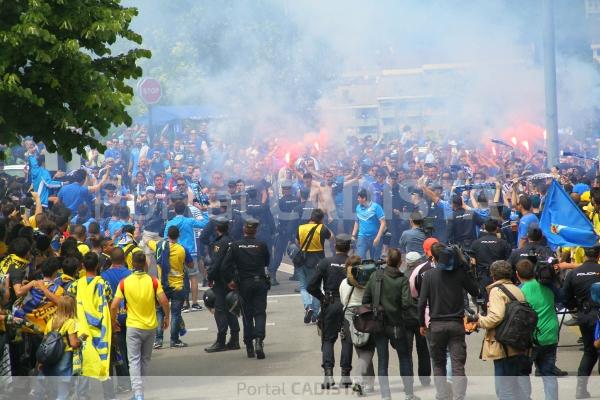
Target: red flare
point(514, 140)
point(526, 145)
point(287, 158)
point(317, 146)
point(544, 134)
point(494, 151)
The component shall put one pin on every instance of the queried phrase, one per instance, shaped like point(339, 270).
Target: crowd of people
point(112, 255)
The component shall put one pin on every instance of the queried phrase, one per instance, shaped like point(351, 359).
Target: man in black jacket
point(223, 317)
point(244, 267)
point(485, 250)
point(330, 272)
point(442, 289)
point(462, 227)
point(535, 246)
point(577, 295)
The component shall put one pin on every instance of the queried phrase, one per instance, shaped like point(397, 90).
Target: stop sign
point(150, 91)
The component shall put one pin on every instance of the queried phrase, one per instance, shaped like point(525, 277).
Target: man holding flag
point(563, 222)
point(565, 225)
point(94, 296)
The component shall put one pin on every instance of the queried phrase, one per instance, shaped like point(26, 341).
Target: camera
point(361, 273)
point(544, 268)
point(453, 257)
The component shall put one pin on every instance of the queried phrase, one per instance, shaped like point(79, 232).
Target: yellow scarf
point(93, 318)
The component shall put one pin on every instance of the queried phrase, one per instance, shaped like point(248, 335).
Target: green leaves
point(59, 81)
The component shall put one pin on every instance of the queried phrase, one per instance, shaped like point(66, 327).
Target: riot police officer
point(287, 221)
point(244, 269)
point(259, 211)
point(330, 272)
point(485, 250)
point(223, 317)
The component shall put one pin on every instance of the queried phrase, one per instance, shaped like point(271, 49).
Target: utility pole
point(550, 83)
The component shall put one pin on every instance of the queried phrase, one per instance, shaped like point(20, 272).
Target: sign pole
point(150, 91)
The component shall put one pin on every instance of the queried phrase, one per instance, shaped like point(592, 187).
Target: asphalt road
point(292, 366)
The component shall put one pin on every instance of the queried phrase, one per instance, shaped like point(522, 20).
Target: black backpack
point(51, 349)
point(519, 325)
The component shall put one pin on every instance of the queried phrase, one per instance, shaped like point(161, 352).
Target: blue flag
point(563, 223)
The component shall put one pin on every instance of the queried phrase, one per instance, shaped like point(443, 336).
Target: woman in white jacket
point(351, 294)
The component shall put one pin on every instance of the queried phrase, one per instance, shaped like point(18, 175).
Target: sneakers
point(196, 307)
point(185, 308)
point(178, 344)
point(308, 315)
point(314, 318)
point(158, 345)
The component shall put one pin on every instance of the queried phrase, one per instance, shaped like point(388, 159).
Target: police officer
point(244, 269)
point(577, 295)
point(330, 272)
point(485, 250)
point(223, 317)
point(287, 221)
point(257, 210)
point(306, 206)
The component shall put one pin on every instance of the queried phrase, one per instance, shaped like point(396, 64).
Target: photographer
point(397, 303)
point(535, 246)
point(576, 292)
point(442, 290)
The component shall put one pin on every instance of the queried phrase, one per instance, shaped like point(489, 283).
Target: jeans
point(364, 244)
point(59, 376)
point(544, 358)
point(448, 337)
point(304, 275)
point(177, 298)
point(424, 360)
point(139, 351)
point(365, 364)
point(511, 377)
point(404, 357)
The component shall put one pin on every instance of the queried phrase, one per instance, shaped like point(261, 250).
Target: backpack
point(51, 349)
point(519, 324)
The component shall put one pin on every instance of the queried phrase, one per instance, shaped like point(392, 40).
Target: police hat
point(221, 221)
point(251, 223)
point(223, 196)
point(343, 239)
point(177, 196)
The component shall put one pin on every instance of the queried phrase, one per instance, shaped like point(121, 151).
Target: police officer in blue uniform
point(287, 222)
point(244, 268)
point(330, 272)
point(223, 317)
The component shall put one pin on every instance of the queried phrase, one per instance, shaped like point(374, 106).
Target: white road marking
point(283, 295)
point(270, 323)
point(197, 329)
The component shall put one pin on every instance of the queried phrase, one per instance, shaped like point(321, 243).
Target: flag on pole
point(563, 223)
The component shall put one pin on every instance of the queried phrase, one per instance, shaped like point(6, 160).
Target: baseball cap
point(150, 189)
point(412, 257)
point(427, 245)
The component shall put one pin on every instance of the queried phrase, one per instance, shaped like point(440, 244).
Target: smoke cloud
point(276, 66)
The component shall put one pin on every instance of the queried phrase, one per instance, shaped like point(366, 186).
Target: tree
point(59, 79)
